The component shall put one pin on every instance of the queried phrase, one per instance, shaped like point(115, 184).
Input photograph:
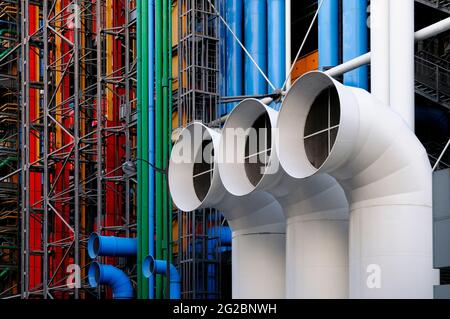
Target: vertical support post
point(76, 136)
point(45, 154)
point(402, 59)
point(288, 40)
point(379, 42)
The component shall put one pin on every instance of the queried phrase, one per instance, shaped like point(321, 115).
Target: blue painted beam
point(328, 34)
point(255, 20)
point(355, 40)
point(234, 10)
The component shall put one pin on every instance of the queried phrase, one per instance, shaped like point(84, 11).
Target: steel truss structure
point(9, 148)
point(77, 131)
point(198, 95)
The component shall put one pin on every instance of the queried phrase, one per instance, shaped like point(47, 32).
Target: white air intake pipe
point(258, 239)
point(315, 208)
point(326, 127)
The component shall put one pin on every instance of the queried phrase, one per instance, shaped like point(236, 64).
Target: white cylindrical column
point(288, 44)
point(379, 42)
point(401, 48)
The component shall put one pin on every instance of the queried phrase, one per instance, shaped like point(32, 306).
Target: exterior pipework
point(276, 33)
point(257, 223)
point(355, 40)
point(234, 53)
point(158, 137)
point(101, 274)
point(379, 42)
point(422, 34)
point(401, 48)
point(151, 139)
point(385, 173)
point(255, 21)
point(111, 246)
point(218, 235)
point(152, 266)
point(145, 142)
point(222, 77)
point(288, 40)
point(328, 34)
point(139, 164)
point(315, 209)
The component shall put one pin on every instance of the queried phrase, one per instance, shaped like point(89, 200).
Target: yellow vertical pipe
point(58, 95)
point(109, 60)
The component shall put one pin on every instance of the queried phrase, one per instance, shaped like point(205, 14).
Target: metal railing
point(432, 80)
point(443, 5)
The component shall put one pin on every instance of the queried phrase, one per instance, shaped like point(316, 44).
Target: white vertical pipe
point(379, 38)
point(401, 20)
point(288, 43)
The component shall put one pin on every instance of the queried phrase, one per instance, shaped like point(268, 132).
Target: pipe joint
point(101, 274)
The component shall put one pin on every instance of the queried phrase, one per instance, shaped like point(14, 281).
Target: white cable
point(441, 156)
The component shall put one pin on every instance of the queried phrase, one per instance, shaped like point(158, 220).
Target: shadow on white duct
point(315, 208)
point(326, 127)
point(258, 239)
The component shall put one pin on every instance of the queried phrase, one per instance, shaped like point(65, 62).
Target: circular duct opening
point(93, 245)
point(203, 168)
point(246, 147)
point(258, 149)
point(148, 267)
point(321, 126)
point(308, 124)
point(94, 274)
point(191, 167)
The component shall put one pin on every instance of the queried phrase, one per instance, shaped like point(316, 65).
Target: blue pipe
point(152, 266)
point(216, 236)
point(328, 34)
point(234, 53)
point(151, 139)
point(111, 246)
point(222, 57)
point(355, 40)
point(255, 13)
point(100, 274)
point(277, 42)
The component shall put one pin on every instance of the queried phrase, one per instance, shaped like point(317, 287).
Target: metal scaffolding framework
point(198, 95)
point(9, 148)
point(77, 131)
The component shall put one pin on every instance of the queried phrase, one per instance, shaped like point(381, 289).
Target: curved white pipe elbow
point(315, 208)
point(326, 127)
point(258, 239)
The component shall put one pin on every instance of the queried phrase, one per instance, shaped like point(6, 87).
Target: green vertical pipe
point(139, 148)
point(165, 150)
point(145, 143)
point(169, 133)
point(165, 114)
point(159, 136)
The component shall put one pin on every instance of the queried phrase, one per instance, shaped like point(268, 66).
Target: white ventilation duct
point(258, 239)
point(326, 127)
point(316, 209)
